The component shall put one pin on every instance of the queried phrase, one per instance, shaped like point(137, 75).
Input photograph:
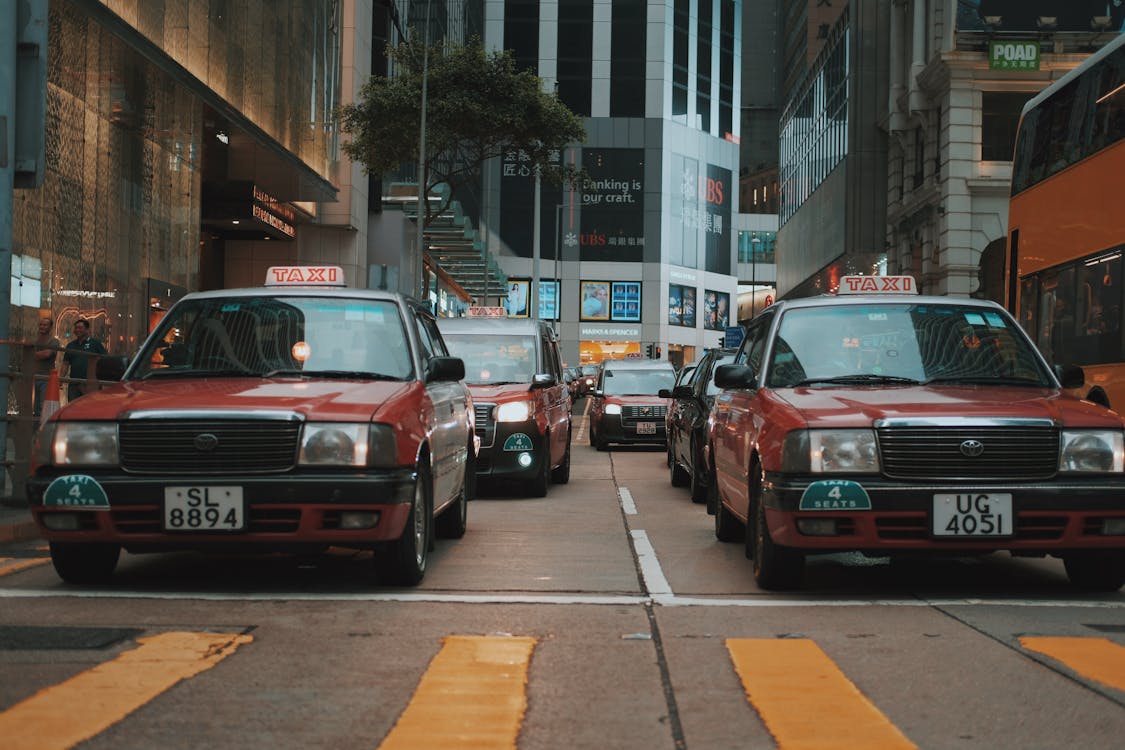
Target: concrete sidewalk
point(16, 525)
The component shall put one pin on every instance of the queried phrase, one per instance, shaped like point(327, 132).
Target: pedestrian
point(76, 360)
point(46, 355)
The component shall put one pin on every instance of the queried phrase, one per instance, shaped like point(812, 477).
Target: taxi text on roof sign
point(305, 276)
point(486, 312)
point(878, 285)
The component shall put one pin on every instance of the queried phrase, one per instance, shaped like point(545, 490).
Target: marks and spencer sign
point(1013, 55)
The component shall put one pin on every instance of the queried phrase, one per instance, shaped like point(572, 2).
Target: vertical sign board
point(612, 213)
point(30, 115)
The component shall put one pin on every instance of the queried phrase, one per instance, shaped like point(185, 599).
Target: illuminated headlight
point(515, 411)
point(79, 444)
point(830, 452)
point(1091, 451)
point(613, 408)
point(342, 444)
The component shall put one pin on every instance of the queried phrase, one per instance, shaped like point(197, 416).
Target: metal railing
point(21, 420)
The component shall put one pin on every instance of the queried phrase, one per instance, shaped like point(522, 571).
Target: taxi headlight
point(513, 411)
point(79, 444)
point(1089, 451)
point(830, 452)
point(613, 408)
point(333, 444)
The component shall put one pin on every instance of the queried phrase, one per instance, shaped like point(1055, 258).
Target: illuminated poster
point(548, 300)
point(681, 305)
point(612, 205)
point(625, 300)
point(716, 310)
point(595, 300)
point(516, 301)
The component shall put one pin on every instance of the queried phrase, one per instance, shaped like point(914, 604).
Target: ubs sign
point(1013, 55)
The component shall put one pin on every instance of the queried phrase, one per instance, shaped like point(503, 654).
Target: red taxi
point(892, 424)
point(626, 406)
point(295, 416)
point(521, 402)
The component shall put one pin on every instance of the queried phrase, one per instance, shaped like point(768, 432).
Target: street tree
point(479, 105)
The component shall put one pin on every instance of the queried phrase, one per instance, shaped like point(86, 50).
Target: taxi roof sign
point(878, 285)
point(486, 312)
point(305, 276)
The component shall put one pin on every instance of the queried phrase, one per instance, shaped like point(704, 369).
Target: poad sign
point(1013, 55)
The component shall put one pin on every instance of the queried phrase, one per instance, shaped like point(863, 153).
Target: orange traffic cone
point(50, 398)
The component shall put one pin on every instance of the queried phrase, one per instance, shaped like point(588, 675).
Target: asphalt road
point(603, 616)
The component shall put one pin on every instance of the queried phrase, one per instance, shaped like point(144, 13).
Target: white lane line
point(668, 600)
point(627, 501)
point(653, 576)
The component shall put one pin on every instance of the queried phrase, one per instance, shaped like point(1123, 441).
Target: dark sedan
point(687, 423)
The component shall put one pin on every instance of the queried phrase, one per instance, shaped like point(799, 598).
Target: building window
point(680, 46)
point(627, 59)
point(1000, 115)
point(703, 66)
point(919, 157)
point(576, 54)
point(521, 32)
point(726, 68)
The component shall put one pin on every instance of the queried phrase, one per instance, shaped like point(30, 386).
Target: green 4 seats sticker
point(835, 494)
point(76, 491)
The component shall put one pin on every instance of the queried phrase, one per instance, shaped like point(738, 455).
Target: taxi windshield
point(276, 337)
point(637, 382)
point(899, 343)
point(492, 359)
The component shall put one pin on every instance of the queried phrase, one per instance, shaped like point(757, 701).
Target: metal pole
point(9, 21)
point(558, 282)
point(416, 272)
point(533, 296)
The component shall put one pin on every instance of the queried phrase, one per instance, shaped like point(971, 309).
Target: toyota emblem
point(972, 448)
point(207, 442)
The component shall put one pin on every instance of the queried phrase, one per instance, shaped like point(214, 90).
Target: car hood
point(330, 400)
point(859, 407)
point(495, 392)
point(636, 400)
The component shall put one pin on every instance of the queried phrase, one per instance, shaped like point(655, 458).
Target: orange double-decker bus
point(1066, 222)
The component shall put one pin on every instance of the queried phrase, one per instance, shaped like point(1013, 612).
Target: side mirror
point(440, 369)
point(543, 380)
point(735, 377)
point(664, 393)
point(110, 367)
point(1070, 376)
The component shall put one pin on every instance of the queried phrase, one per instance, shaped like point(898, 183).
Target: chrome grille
point(1009, 452)
point(644, 411)
point(484, 423)
point(242, 446)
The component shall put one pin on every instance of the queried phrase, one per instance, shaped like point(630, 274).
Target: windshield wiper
point(862, 379)
point(341, 374)
point(986, 380)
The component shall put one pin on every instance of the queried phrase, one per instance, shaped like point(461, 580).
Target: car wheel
point(453, 521)
point(537, 487)
point(84, 563)
point(561, 475)
point(1096, 570)
point(403, 561)
point(776, 568)
point(698, 483)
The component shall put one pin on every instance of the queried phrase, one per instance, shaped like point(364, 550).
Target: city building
point(959, 77)
point(644, 254)
point(188, 146)
point(833, 148)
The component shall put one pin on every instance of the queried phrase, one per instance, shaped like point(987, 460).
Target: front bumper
point(611, 428)
point(281, 510)
point(1049, 517)
point(501, 458)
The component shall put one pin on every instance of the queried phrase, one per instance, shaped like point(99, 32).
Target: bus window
point(1029, 295)
point(1056, 322)
point(1098, 335)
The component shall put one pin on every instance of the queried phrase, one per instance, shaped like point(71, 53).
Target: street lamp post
point(416, 273)
point(754, 242)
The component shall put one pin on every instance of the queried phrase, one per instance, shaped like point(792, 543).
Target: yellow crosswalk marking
point(805, 700)
point(472, 696)
point(63, 715)
point(9, 565)
point(1097, 658)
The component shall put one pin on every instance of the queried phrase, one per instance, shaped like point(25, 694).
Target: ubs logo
point(206, 442)
point(972, 448)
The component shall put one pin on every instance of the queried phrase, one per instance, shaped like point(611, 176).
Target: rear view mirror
point(735, 377)
point(445, 368)
point(664, 393)
point(1070, 376)
point(110, 367)
point(543, 380)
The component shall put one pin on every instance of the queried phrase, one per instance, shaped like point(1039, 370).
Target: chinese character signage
point(1013, 55)
point(701, 215)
